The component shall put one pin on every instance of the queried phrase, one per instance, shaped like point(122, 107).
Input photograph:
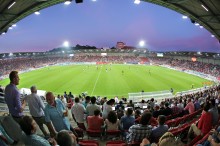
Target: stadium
point(116, 96)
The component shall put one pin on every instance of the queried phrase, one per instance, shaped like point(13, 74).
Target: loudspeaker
point(79, 1)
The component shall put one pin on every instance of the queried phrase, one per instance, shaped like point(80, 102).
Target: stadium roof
point(204, 12)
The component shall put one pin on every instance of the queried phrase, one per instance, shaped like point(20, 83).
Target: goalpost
point(159, 95)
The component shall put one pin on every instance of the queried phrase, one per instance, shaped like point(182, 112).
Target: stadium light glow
point(37, 13)
point(196, 24)
point(205, 8)
point(66, 44)
point(67, 2)
point(137, 2)
point(12, 4)
point(184, 17)
point(94, 0)
point(3, 33)
point(212, 36)
point(142, 43)
point(10, 28)
point(14, 25)
point(201, 26)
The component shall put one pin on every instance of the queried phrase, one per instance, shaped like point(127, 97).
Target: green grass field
point(84, 78)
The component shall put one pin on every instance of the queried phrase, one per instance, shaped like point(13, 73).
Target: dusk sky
point(105, 22)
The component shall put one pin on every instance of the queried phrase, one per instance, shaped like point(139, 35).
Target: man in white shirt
point(92, 107)
point(36, 107)
point(78, 111)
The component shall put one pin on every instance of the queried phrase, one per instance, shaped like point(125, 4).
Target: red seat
point(195, 140)
point(94, 133)
point(116, 143)
point(202, 140)
point(115, 133)
point(88, 143)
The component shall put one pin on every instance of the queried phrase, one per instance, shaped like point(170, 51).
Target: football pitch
point(107, 80)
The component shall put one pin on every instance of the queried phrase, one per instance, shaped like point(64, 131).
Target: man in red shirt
point(95, 122)
point(204, 123)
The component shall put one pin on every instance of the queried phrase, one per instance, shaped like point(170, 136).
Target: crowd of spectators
point(206, 68)
point(22, 64)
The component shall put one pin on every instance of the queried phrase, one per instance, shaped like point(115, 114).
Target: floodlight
point(67, 2)
point(142, 43)
point(14, 25)
point(94, 0)
point(212, 36)
point(196, 24)
point(184, 17)
point(201, 26)
point(205, 8)
point(66, 44)
point(10, 28)
point(37, 13)
point(11, 5)
point(137, 2)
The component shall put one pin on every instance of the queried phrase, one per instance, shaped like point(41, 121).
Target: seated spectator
point(190, 108)
point(119, 106)
point(167, 111)
point(175, 108)
point(128, 120)
point(142, 130)
point(203, 125)
point(156, 111)
point(158, 131)
point(130, 104)
point(95, 122)
point(214, 111)
point(152, 122)
point(137, 114)
point(112, 121)
point(29, 126)
point(197, 104)
point(66, 138)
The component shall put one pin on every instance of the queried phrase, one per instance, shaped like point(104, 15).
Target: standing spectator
point(64, 100)
point(36, 107)
point(78, 111)
point(92, 107)
point(142, 130)
point(86, 102)
point(107, 107)
point(12, 97)
point(55, 115)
